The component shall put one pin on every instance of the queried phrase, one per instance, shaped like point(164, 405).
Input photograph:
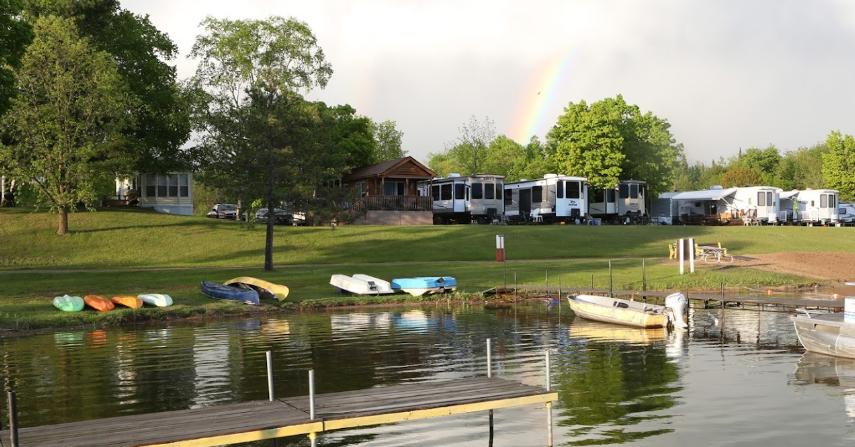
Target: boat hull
point(361, 284)
point(127, 301)
point(829, 335)
point(231, 293)
point(156, 299)
point(425, 285)
point(264, 288)
point(99, 303)
point(68, 303)
point(630, 316)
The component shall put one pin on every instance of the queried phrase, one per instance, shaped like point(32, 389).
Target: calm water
point(616, 385)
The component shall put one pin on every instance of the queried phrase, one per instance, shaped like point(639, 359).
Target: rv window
point(633, 191)
point(598, 196)
point(832, 201)
point(624, 191)
point(477, 191)
point(509, 198)
point(499, 188)
point(560, 189)
point(489, 191)
point(572, 190)
point(769, 200)
point(434, 190)
point(537, 194)
point(459, 191)
point(446, 192)
point(610, 196)
point(823, 200)
point(761, 198)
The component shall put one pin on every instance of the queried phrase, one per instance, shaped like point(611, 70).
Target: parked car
point(846, 213)
point(223, 211)
point(281, 217)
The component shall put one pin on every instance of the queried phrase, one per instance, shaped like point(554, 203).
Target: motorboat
point(629, 312)
point(359, 284)
point(425, 285)
point(831, 334)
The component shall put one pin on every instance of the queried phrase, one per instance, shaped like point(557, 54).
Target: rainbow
point(541, 95)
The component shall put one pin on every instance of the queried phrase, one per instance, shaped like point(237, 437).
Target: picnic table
point(708, 253)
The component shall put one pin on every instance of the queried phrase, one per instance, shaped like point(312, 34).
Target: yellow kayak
point(264, 288)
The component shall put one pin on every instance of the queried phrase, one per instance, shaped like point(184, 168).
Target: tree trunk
point(63, 221)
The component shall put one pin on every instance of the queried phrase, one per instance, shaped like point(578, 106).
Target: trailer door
point(525, 202)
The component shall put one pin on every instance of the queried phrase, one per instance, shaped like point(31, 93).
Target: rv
point(708, 206)
point(626, 203)
point(755, 204)
point(816, 206)
point(476, 198)
point(554, 198)
point(786, 207)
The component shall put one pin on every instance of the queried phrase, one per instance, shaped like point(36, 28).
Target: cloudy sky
point(725, 73)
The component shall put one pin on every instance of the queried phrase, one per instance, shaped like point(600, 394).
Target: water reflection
point(833, 371)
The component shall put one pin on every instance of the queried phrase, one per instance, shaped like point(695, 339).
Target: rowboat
point(127, 301)
point(264, 288)
point(67, 303)
point(630, 313)
point(829, 334)
point(425, 285)
point(245, 295)
point(156, 299)
point(361, 284)
point(99, 303)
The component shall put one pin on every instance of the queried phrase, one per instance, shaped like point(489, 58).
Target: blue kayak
point(423, 285)
point(235, 293)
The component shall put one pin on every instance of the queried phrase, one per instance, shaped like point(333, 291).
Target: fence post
point(312, 394)
point(548, 404)
point(13, 419)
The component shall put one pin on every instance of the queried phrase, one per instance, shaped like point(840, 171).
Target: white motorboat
point(831, 334)
point(631, 313)
point(361, 284)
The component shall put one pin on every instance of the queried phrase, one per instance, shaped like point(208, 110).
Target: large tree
point(387, 141)
point(67, 116)
point(838, 164)
point(252, 71)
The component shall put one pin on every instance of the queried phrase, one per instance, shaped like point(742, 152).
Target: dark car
point(281, 217)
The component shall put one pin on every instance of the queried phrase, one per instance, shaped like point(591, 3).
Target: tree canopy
point(838, 164)
point(387, 141)
point(15, 35)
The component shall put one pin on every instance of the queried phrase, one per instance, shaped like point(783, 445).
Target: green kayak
point(68, 303)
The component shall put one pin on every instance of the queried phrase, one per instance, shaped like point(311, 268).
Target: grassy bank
point(139, 239)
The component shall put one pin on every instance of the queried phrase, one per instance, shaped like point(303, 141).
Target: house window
point(446, 192)
point(489, 191)
point(150, 185)
point(573, 190)
point(162, 186)
point(537, 194)
point(624, 191)
point(633, 191)
point(393, 188)
point(477, 191)
point(173, 185)
point(184, 185)
point(434, 191)
point(560, 193)
point(509, 198)
point(459, 191)
point(761, 198)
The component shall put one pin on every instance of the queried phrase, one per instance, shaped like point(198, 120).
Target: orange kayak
point(127, 301)
point(98, 303)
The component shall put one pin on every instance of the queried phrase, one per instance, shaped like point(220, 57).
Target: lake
point(616, 385)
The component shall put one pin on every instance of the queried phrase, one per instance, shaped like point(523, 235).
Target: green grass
point(137, 239)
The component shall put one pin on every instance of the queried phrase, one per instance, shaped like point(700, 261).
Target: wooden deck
point(252, 421)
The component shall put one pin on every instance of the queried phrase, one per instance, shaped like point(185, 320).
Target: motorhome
point(754, 205)
point(816, 206)
point(479, 201)
point(625, 204)
point(554, 198)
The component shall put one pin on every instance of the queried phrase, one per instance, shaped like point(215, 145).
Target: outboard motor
point(677, 304)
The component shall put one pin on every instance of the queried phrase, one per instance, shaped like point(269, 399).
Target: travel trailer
point(625, 204)
point(755, 204)
point(554, 198)
point(816, 206)
point(708, 206)
point(476, 198)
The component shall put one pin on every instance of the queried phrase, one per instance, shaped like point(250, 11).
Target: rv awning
point(707, 194)
point(789, 194)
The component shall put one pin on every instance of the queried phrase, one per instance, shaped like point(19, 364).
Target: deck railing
point(395, 203)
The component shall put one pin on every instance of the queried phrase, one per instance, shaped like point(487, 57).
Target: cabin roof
point(399, 167)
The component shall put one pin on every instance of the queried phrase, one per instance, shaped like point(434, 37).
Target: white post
point(2, 190)
point(682, 255)
point(692, 255)
point(269, 376)
point(548, 404)
point(489, 363)
point(312, 394)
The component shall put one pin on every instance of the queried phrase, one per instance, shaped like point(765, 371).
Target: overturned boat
point(425, 285)
point(265, 289)
point(631, 313)
point(361, 284)
point(233, 293)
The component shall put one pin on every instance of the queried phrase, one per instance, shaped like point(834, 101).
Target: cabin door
point(525, 202)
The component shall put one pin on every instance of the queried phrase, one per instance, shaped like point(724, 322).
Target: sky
point(727, 74)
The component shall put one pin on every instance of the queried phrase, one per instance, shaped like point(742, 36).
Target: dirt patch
point(836, 266)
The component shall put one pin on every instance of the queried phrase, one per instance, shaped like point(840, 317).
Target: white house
point(170, 193)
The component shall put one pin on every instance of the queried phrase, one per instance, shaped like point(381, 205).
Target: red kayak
point(99, 303)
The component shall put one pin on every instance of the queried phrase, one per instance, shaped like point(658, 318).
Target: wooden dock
point(258, 420)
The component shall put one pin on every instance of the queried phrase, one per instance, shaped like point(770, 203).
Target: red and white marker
point(500, 248)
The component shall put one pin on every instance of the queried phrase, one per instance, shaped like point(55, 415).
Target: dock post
point(269, 356)
point(13, 419)
point(312, 394)
point(644, 277)
point(548, 404)
point(611, 288)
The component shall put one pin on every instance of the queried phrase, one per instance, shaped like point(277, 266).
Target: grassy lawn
point(133, 252)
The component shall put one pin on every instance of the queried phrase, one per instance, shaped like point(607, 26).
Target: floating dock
point(258, 420)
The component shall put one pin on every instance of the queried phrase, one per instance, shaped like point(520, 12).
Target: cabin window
point(633, 191)
point(761, 198)
point(573, 190)
point(150, 185)
point(446, 192)
point(477, 191)
point(459, 191)
point(610, 196)
point(489, 191)
point(509, 198)
point(823, 200)
point(537, 194)
point(434, 192)
point(624, 191)
point(499, 191)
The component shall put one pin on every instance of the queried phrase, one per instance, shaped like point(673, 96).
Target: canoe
point(425, 285)
point(233, 293)
point(99, 303)
point(628, 312)
point(361, 284)
point(68, 303)
point(127, 301)
point(264, 288)
point(156, 299)
point(829, 334)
